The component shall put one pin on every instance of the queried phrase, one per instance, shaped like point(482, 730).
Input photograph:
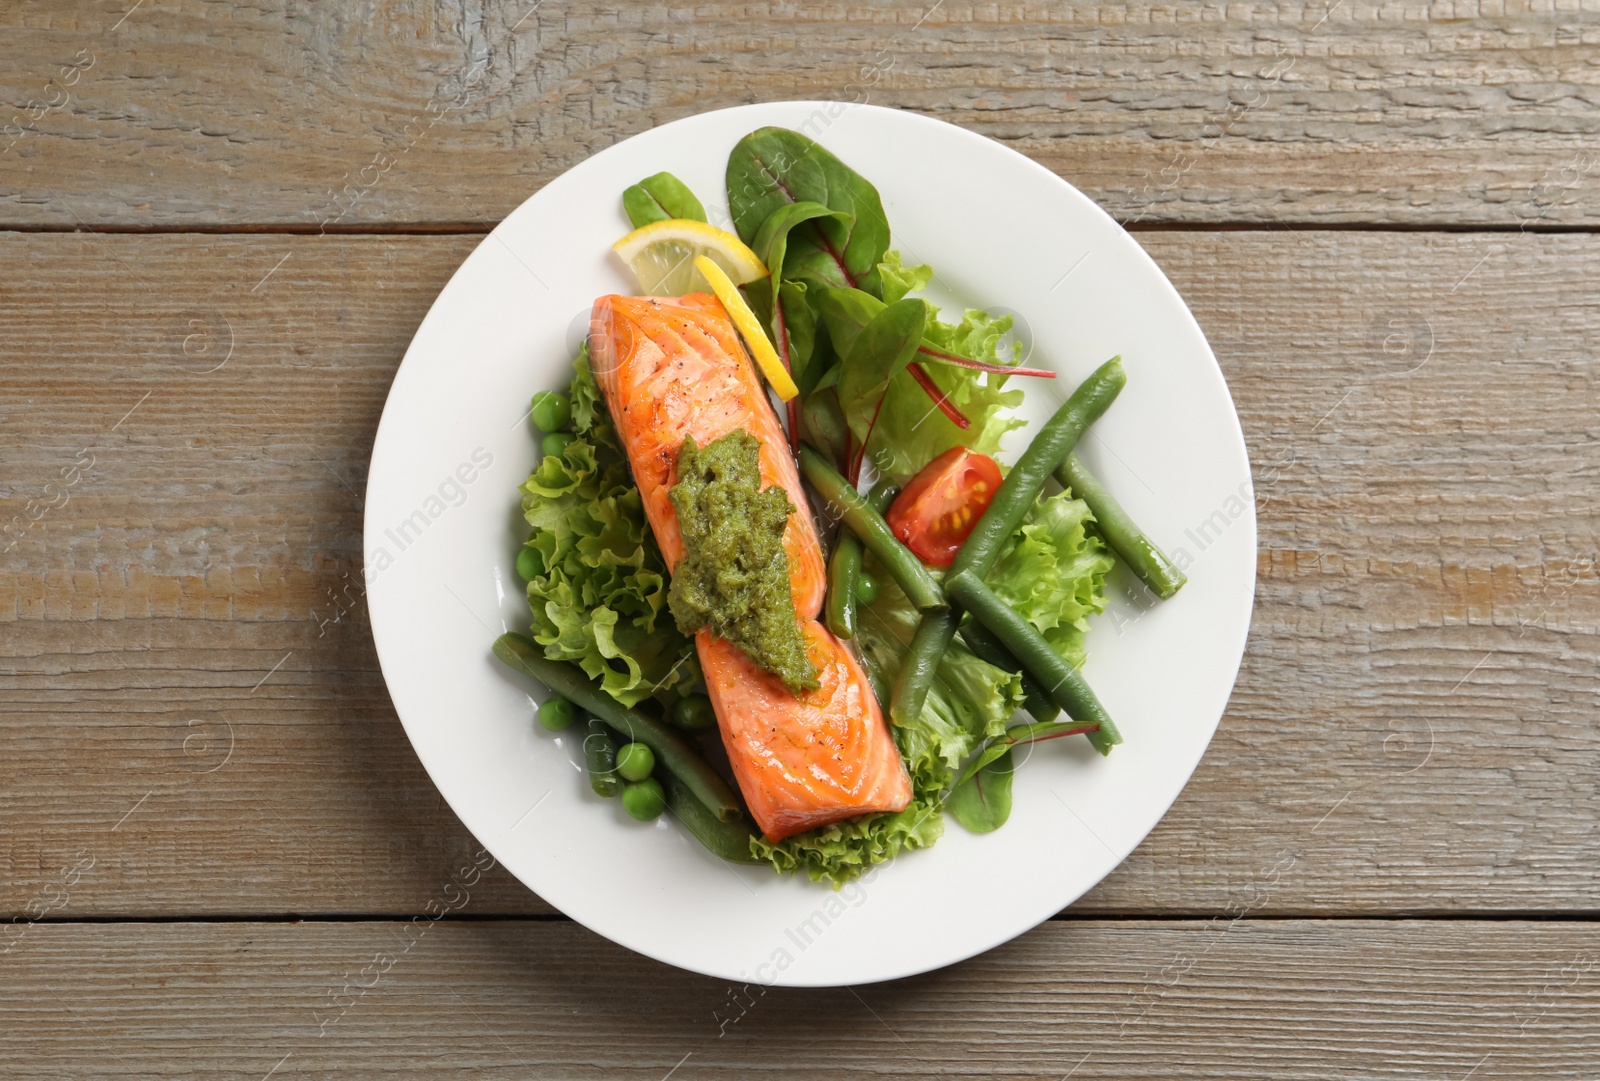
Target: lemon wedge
point(663, 254)
point(749, 327)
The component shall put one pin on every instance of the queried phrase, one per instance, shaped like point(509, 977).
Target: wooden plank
point(453, 111)
point(1413, 727)
point(1085, 999)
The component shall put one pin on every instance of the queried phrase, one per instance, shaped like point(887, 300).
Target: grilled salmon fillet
point(674, 367)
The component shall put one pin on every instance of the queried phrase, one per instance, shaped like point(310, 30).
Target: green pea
point(557, 713)
point(866, 588)
point(551, 411)
point(530, 564)
point(555, 444)
point(644, 800)
point(635, 761)
point(693, 713)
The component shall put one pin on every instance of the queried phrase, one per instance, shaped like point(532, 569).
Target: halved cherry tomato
point(937, 510)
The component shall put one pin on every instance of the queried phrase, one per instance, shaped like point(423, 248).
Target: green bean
point(986, 647)
point(879, 691)
point(1020, 490)
point(726, 840)
point(1130, 543)
point(1064, 682)
point(600, 753)
point(670, 748)
point(928, 646)
point(844, 570)
point(1011, 504)
point(868, 524)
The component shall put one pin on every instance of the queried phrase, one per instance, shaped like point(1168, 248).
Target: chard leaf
point(845, 312)
point(660, 198)
point(790, 318)
point(808, 358)
point(822, 421)
point(1017, 737)
point(982, 801)
point(878, 353)
point(774, 167)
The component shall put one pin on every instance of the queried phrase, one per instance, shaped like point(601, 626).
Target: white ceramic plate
point(443, 527)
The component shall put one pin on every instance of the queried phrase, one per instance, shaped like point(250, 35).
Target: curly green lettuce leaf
point(1053, 573)
point(900, 280)
point(911, 431)
point(970, 702)
point(844, 850)
point(601, 599)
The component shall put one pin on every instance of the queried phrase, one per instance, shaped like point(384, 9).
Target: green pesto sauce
point(734, 575)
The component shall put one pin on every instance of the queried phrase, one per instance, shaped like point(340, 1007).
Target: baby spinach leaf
point(982, 801)
point(774, 167)
point(876, 355)
point(660, 198)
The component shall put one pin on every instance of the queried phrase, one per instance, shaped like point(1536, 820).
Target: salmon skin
point(673, 368)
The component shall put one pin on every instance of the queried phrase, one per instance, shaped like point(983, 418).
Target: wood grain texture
point(310, 115)
point(1413, 729)
point(1086, 999)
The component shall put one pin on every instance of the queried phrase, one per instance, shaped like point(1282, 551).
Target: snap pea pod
point(844, 570)
point(670, 749)
point(875, 534)
point(928, 645)
point(986, 647)
point(1016, 496)
point(1063, 682)
point(1130, 543)
point(726, 840)
point(600, 755)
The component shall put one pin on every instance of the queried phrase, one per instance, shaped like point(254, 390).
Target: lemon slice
point(749, 327)
point(663, 253)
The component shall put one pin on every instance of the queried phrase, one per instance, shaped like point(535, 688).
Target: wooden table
point(222, 224)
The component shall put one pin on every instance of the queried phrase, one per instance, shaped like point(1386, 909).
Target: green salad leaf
point(910, 431)
point(661, 198)
point(982, 802)
point(601, 599)
point(1053, 573)
point(774, 167)
point(791, 319)
point(874, 358)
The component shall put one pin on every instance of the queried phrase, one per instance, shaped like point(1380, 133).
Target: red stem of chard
point(861, 452)
point(792, 406)
point(981, 366)
point(946, 406)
